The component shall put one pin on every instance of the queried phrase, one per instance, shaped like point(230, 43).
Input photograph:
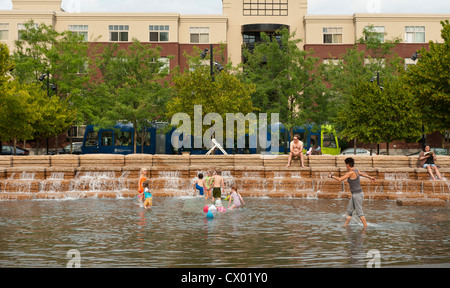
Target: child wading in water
point(142, 178)
point(237, 199)
point(355, 203)
point(208, 184)
point(147, 196)
point(199, 183)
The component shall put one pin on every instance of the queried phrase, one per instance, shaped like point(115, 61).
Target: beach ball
point(209, 214)
point(212, 208)
point(206, 208)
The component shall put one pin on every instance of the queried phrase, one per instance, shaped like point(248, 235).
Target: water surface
point(268, 232)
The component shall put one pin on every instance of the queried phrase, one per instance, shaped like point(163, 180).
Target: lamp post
point(53, 87)
point(211, 60)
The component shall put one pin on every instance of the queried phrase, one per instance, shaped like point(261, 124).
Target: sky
point(316, 7)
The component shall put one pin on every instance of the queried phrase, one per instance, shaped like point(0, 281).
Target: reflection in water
point(268, 232)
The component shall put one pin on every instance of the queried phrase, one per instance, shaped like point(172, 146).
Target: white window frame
point(160, 30)
point(80, 30)
point(379, 30)
point(119, 29)
point(201, 32)
point(411, 34)
point(21, 27)
point(333, 31)
point(410, 62)
point(4, 30)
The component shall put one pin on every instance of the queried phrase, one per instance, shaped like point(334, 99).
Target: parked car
point(437, 151)
point(9, 150)
point(76, 148)
point(359, 151)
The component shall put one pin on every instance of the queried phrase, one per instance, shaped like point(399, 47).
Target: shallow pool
point(268, 232)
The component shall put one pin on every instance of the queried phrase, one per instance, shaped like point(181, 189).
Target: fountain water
point(173, 175)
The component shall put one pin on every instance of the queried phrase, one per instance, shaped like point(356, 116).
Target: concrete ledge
point(65, 160)
point(5, 161)
point(28, 161)
point(102, 159)
point(420, 202)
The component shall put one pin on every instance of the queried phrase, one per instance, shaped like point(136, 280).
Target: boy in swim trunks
point(218, 185)
point(199, 184)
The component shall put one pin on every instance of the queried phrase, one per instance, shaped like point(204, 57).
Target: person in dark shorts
point(355, 203)
point(218, 185)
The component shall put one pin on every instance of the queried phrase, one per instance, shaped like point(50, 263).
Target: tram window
point(329, 140)
point(302, 136)
point(107, 138)
point(123, 138)
point(314, 140)
point(91, 138)
point(283, 142)
point(147, 138)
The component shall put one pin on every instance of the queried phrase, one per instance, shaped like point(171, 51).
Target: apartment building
point(241, 22)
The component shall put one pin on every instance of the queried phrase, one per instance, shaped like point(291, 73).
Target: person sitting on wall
point(296, 149)
point(314, 149)
point(427, 160)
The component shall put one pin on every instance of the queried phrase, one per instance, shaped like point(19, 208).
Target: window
point(76, 131)
point(165, 64)
point(118, 33)
point(375, 62)
point(329, 141)
point(21, 27)
point(331, 61)
point(4, 31)
point(159, 33)
point(377, 31)
point(147, 139)
point(123, 138)
point(91, 138)
point(107, 138)
point(415, 34)
point(409, 62)
point(265, 7)
point(199, 34)
point(80, 30)
point(332, 35)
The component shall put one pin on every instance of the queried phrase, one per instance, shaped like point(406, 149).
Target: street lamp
point(53, 87)
point(211, 60)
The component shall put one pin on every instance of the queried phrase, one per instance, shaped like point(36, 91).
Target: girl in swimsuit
point(237, 199)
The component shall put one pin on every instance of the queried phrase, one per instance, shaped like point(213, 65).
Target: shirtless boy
point(296, 150)
point(218, 185)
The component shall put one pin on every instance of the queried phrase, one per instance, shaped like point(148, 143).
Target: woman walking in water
point(355, 204)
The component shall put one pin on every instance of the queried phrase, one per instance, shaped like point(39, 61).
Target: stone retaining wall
point(112, 175)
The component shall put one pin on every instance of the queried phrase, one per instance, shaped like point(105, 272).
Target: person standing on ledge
point(296, 150)
point(355, 204)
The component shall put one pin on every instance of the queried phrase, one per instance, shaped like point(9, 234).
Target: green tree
point(288, 81)
point(59, 61)
point(373, 115)
point(226, 94)
point(429, 82)
point(130, 87)
point(371, 59)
